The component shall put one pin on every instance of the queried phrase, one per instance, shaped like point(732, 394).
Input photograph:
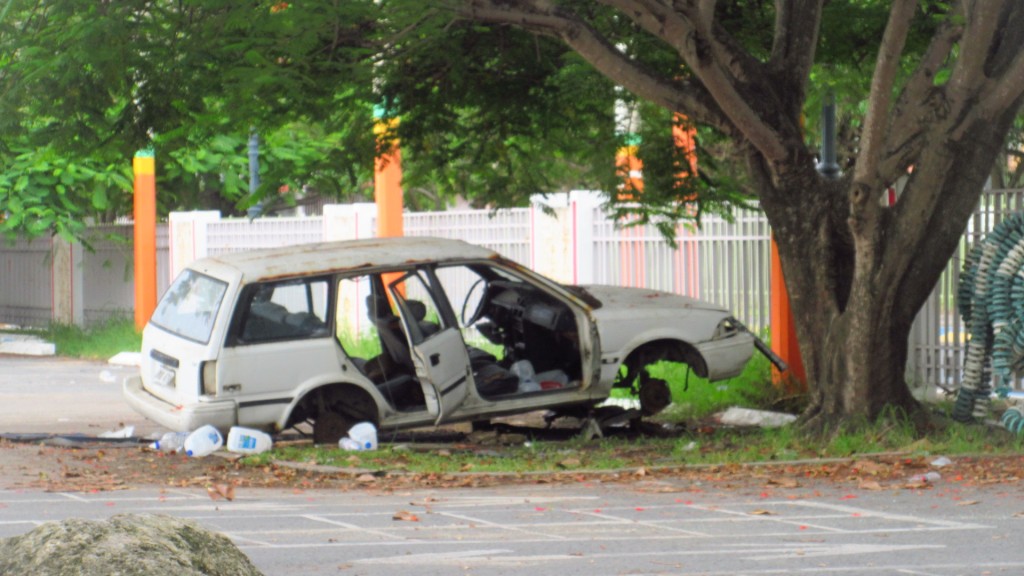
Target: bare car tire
point(329, 427)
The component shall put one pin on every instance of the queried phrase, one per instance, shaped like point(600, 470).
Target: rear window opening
point(189, 307)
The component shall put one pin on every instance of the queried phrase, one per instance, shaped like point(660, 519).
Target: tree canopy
point(499, 99)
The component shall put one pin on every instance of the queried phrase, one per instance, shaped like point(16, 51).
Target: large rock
point(124, 545)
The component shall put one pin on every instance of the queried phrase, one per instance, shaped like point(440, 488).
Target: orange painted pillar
point(783, 331)
point(144, 168)
point(632, 170)
point(387, 183)
point(685, 137)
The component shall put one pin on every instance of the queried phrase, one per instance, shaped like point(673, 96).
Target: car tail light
point(208, 378)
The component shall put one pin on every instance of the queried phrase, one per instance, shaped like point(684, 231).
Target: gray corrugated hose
point(991, 302)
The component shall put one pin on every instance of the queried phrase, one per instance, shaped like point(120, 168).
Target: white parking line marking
point(508, 527)
point(657, 525)
point(356, 528)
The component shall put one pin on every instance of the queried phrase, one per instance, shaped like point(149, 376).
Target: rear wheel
point(338, 409)
point(329, 427)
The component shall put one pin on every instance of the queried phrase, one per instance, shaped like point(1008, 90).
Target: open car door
point(438, 351)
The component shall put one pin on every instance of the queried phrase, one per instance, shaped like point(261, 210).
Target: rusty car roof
point(339, 256)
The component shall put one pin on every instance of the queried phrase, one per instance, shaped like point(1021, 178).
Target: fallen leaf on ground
point(762, 513)
point(405, 516)
point(870, 485)
point(219, 491)
point(968, 503)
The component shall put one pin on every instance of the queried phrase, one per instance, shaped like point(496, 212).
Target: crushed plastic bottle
point(927, 478)
point(170, 442)
point(203, 441)
point(349, 444)
point(248, 441)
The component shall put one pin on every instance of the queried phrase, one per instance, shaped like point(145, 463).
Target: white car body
point(273, 338)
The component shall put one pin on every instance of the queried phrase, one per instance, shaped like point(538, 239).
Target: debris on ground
point(736, 416)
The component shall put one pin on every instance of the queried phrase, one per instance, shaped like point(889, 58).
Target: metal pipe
point(256, 209)
point(828, 167)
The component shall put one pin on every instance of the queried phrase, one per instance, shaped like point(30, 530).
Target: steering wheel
point(478, 312)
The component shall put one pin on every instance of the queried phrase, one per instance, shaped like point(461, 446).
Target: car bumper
point(220, 414)
point(726, 358)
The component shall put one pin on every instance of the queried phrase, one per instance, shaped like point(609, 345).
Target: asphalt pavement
point(643, 527)
point(648, 526)
point(63, 396)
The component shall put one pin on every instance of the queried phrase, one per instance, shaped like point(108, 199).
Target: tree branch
point(968, 72)
point(910, 115)
point(797, 24)
point(1009, 84)
point(873, 135)
point(709, 60)
point(678, 96)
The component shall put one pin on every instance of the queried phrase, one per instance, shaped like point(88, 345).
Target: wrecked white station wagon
point(407, 332)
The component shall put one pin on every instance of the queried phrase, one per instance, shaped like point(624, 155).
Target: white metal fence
point(723, 262)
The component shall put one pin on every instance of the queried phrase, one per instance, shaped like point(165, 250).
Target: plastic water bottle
point(170, 442)
point(365, 434)
point(248, 441)
point(203, 441)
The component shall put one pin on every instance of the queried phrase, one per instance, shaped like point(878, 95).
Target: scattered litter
point(126, 359)
point(941, 461)
point(927, 478)
point(126, 432)
point(248, 441)
point(689, 447)
point(748, 417)
point(107, 376)
point(26, 345)
point(203, 441)
point(170, 442)
point(362, 436)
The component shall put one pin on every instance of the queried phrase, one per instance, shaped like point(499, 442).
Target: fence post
point(349, 221)
point(584, 205)
point(186, 238)
point(68, 282)
point(552, 245)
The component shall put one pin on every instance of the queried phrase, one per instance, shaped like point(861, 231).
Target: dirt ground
point(92, 468)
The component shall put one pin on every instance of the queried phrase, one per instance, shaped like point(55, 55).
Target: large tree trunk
point(858, 271)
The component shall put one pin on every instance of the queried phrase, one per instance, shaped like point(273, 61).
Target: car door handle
point(435, 359)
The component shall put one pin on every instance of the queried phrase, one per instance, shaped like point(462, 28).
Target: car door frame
point(441, 360)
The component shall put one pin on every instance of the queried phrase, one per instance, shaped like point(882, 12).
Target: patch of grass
point(694, 398)
point(531, 457)
point(722, 446)
point(97, 342)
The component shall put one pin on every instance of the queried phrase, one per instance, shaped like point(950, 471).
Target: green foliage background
point(488, 113)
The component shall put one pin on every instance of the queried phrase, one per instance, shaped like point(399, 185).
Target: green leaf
point(99, 199)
